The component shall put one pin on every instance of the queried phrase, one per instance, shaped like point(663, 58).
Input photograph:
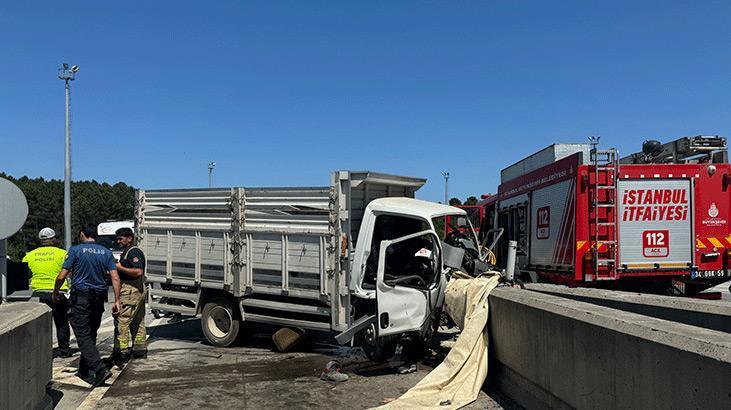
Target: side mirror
point(461, 222)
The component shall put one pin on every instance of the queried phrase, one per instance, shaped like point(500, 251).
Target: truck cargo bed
point(283, 253)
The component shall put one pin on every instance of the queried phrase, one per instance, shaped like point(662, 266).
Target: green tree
point(455, 202)
point(471, 201)
point(92, 203)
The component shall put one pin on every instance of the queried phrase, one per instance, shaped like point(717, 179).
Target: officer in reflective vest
point(129, 329)
point(88, 264)
point(45, 263)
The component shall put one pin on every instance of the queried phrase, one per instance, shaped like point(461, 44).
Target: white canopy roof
point(424, 209)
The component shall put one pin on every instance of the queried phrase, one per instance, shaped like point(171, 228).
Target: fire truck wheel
point(220, 322)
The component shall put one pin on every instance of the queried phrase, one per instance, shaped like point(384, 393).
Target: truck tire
point(377, 349)
point(220, 322)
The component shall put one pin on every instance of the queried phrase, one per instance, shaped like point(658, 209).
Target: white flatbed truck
point(359, 257)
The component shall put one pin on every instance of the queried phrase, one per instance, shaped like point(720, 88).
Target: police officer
point(88, 263)
point(45, 263)
point(131, 318)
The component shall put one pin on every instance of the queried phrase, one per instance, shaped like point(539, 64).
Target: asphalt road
point(182, 369)
point(724, 289)
point(253, 376)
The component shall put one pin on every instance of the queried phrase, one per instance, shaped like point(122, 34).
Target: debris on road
point(286, 338)
point(332, 372)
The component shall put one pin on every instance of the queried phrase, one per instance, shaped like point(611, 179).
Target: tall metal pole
point(211, 166)
point(67, 74)
point(446, 187)
point(67, 174)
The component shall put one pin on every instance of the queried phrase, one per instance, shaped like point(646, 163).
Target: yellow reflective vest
point(45, 263)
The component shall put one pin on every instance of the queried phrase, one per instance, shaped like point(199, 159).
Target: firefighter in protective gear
point(129, 330)
point(45, 263)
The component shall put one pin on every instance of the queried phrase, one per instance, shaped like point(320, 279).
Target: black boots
point(99, 377)
point(120, 358)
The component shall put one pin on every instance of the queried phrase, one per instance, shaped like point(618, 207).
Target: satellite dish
point(13, 208)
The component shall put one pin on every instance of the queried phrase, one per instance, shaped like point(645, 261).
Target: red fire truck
point(475, 214)
point(584, 217)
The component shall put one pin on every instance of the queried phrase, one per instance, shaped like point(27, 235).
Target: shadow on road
point(55, 395)
point(184, 330)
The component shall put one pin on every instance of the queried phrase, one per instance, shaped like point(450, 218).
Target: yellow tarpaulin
point(457, 381)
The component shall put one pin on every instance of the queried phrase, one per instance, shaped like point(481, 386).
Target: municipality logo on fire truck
point(713, 210)
point(713, 219)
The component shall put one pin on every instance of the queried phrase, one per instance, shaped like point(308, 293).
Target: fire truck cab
point(583, 216)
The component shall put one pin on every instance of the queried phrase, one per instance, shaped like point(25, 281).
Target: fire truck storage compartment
point(655, 223)
point(546, 156)
point(552, 216)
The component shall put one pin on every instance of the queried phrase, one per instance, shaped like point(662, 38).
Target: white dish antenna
point(13, 209)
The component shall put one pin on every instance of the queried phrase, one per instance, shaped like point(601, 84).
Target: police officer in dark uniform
point(88, 263)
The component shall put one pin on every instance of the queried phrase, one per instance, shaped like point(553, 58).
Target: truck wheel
point(377, 349)
point(220, 322)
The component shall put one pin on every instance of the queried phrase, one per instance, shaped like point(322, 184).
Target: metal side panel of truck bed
point(283, 254)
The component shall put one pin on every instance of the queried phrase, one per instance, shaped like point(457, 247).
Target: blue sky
point(281, 93)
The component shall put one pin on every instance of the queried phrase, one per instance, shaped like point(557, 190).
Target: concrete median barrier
point(26, 358)
point(551, 352)
point(710, 314)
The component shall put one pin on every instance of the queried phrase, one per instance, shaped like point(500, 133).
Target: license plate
point(711, 273)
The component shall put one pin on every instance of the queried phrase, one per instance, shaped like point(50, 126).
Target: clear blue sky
point(280, 93)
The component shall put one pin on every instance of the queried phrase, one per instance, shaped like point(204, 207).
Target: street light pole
point(211, 166)
point(446, 187)
point(67, 74)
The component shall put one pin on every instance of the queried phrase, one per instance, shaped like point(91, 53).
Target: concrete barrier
point(551, 352)
point(26, 355)
point(710, 314)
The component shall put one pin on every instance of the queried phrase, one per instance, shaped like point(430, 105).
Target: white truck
point(359, 257)
point(107, 234)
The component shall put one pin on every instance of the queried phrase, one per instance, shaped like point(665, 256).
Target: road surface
point(724, 289)
point(183, 370)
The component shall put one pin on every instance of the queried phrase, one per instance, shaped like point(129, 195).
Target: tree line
point(92, 202)
point(469, 201)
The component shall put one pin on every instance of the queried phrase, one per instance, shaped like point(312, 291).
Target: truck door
point(409, 271)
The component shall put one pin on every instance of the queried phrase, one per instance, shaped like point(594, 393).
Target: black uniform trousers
point(60, 312)
point(87, 307)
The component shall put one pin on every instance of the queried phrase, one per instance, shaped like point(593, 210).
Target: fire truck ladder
point(603, 231)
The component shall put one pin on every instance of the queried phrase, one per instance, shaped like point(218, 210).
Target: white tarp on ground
point(457, 381)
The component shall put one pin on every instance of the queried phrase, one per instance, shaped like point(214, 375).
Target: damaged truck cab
point(398, 275)
point(360, 258)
